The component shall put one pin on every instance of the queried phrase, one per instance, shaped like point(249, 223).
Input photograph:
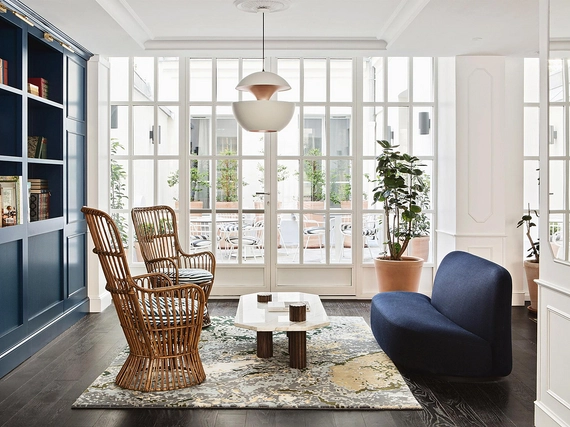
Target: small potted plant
point(199, 180)
point(531, 266)
point(227, 181)
point(315, 176)
point(420, 244)
point(399, 188)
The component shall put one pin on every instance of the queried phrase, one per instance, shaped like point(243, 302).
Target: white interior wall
point(98, 168)
point(481, 130)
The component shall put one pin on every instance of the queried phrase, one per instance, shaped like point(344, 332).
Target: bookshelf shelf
point(10, 89)
point(43, 143)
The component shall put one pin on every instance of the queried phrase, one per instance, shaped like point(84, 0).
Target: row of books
point(11, 203)
point(38, 86)
point(3, 71)
point(39, 199)
point(37, 147)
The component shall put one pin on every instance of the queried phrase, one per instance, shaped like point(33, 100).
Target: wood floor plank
point(42, 389)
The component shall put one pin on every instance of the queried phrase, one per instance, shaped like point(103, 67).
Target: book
point(3, 71)
point(284, 305)
point(39, 205)
point(42, 85)
point(38, 184)
point(33, 89)
point(37, 147)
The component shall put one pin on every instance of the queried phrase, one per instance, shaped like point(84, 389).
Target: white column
point(98, 169)
point(480, 160)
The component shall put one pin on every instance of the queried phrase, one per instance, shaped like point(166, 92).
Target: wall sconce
point(553, 135)
point(424, 123)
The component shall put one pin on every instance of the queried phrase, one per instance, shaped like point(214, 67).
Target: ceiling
point(376, 27)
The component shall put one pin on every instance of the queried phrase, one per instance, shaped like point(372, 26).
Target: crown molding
point(127, 18)
point(255, 45)
point(401, 18)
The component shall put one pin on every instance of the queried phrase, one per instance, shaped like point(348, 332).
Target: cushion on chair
point(245, 240)
point(314, 230)
point(189, 275)
point(201, 242)
point(417, 337)
point(166, 308)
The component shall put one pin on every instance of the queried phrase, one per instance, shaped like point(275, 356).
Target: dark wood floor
point(41, 390)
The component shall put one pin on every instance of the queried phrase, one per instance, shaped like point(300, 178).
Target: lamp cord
point(263, 42)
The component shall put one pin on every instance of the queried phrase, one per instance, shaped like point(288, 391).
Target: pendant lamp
point(263, 114)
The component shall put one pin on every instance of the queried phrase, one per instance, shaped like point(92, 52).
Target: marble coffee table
point(256, 316)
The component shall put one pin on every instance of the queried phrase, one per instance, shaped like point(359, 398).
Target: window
point(175, 141)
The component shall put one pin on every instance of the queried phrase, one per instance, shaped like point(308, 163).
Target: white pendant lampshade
point(263, 115)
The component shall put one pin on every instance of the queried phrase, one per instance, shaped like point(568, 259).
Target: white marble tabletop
point(256, 316)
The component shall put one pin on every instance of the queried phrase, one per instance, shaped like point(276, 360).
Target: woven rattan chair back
point(161, 322)
point(157, 233)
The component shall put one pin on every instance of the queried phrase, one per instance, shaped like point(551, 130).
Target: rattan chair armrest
point(153, 280)
point(170, 317)
point(205, 260)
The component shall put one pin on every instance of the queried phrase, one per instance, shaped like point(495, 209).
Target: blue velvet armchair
point(463, 330)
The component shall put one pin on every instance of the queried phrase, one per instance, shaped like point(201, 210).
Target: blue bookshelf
point(43, 290)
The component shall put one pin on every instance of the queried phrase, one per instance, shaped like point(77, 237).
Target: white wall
point(98, 169)
point(480, 160)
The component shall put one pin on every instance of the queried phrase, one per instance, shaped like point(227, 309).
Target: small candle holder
point(297, 312)
point(263, 297)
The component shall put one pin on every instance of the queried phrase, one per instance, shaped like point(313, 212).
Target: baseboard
point(39, 339)
point(97, 305)
point(544, 417)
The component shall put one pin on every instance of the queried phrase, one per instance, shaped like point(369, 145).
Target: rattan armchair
point(157, 233)
point(161, 321)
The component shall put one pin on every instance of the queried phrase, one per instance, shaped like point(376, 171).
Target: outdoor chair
point(161, 321)
point(157, 233)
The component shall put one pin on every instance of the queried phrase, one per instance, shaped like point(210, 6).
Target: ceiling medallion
point(266, 6)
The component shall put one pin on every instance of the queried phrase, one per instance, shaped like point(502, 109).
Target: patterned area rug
point(346, 369)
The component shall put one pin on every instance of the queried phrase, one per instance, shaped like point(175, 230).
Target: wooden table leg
point(264, 344)
point(297, 349)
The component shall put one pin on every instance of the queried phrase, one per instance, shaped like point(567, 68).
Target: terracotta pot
point(419, 247)
point(531, 270)
point(227, 205)
point(403, 275)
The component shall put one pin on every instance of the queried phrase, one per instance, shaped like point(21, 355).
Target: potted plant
point(199, 180)
point(400, 188)
point(341, 192)
point(118, 191)
point(227, 181)
point(315, 176)
point(420, 244)
point(531, 266)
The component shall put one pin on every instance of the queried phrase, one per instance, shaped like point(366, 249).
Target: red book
point(41, 83)
point(5, 74)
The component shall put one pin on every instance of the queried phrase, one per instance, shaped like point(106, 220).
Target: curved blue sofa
point(463, 330)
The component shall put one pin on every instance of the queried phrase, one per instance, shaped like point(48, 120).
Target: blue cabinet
point(42, 257)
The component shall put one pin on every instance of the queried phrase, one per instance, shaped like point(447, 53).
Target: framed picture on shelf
point(10, 196)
